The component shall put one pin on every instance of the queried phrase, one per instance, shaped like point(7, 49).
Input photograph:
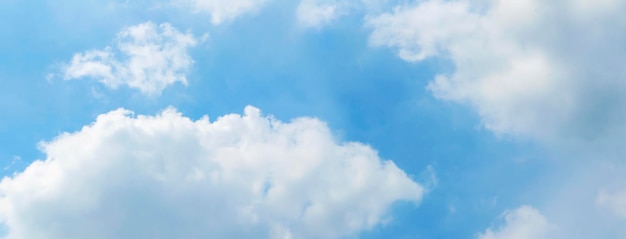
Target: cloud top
point(167, 176)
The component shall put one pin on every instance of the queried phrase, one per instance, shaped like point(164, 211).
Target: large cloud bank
point(146, 57)
point(545, 70)
point(167, 176)
point(549, 71)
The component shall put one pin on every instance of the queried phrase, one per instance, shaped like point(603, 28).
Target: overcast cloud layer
point(166, 176)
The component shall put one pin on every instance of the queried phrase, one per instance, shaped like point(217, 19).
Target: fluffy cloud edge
point(146, 57)
point(520, 81)
point(524, 222)
point(282, 180)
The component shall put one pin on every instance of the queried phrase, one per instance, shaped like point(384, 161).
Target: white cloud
point(225, 10)
point(616, 202)
point(166, 176)
point(547, 70)
point(522, 223)
point(318, 13)
point(146, 57)
point(321, 13)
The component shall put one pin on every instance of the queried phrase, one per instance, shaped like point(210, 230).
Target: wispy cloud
point(222, 11)
point(146, 57)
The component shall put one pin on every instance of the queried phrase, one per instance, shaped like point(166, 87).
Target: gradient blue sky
point(365, 93)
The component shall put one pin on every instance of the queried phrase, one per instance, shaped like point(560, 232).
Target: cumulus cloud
point(167, 176)
point(547, 70)
point(522, 223)
point(225, 10)
point(146, 57)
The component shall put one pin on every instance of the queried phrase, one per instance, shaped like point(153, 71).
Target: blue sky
point(520, 137)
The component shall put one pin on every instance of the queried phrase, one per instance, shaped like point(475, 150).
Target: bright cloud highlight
point(522, 223)
point(226, 10)
point(547, 70)
point(317, 13)
point(146, 57)
point(167, 176)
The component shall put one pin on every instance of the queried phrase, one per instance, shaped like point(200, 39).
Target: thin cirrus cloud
point(321, 13)
point(222, 11)
point(167, 176)
point(522, 223)
point(309, 13)
point(318, 13)
point(615, 202)
point(545, 70)
point(146, 57)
